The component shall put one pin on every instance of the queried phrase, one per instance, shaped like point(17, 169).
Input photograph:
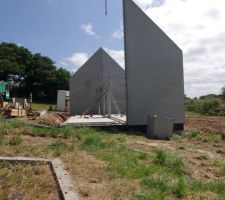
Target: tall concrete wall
point(88, 84)
point(154, 69)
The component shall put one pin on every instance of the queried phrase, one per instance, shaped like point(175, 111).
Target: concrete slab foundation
point(95, 120)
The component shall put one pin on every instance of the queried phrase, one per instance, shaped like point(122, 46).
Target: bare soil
point(51, 118)
point(205, 125)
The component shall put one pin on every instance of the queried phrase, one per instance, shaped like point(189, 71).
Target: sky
point(70, 31)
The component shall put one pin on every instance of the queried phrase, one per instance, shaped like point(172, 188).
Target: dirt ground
point(205, 124)
point(51, 118)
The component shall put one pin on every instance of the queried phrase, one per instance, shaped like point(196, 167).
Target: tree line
point(210, 104)
point(31, 73)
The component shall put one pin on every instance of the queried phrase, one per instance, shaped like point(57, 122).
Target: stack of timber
point(15, 110)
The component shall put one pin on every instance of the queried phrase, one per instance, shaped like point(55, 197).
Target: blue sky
point(70, 31)
point(53, 27)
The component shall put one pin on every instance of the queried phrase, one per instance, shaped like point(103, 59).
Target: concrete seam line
point(61, 176)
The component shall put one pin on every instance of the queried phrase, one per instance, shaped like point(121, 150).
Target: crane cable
point(106, 8)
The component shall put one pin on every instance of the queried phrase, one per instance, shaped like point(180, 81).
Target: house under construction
point(153, 76)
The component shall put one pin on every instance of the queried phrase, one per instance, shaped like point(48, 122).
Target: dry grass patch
point(25, 181)
point(93, 180)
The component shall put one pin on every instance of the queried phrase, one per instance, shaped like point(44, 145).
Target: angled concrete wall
point(154, 69)
point(88, 83)
point(114, 76)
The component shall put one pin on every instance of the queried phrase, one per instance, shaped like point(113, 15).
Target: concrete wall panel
point(114, 77)
point(154, 69)
point(89, 82)
point(83, 86)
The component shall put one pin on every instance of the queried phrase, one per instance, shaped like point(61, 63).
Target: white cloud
point(88, 29)
point(75, 61)
point(144, 3)
point(119, 33)
point(117, 55)
point(19, 44)
point(197, 26)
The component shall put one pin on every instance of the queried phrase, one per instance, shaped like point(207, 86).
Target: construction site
point(117, 133)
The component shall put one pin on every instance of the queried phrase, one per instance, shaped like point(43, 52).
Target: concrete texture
point(89, 83)
point(160, 128)
point(95, 120)
point(64, 180)
point(154, 69)
point(25, 160)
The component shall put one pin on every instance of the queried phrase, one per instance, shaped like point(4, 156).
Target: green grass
point(1, 139)
point(192, 113)
point(42, 106)
point(160, 173)
point(204, 138)
point(57, 147)
point(221, 165)
point(160, 157)
point(15, 140)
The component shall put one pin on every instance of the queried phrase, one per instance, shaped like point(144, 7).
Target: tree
point(223, 93)
point(13, 61)
point(31, 73)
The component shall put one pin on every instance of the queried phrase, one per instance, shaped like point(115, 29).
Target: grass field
point(42, 106)
point(117, 165)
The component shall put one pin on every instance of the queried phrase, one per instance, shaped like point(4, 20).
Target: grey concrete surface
point(95, 120)
point(88, 84)
point(160, 128)
point(25, 160)
point(154, 69)
point(64, 180)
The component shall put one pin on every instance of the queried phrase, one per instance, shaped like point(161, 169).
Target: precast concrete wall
point(84, 84)
point(88, 84)
point(154, 69)
point(114, 76)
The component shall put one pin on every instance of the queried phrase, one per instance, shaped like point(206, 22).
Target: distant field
point(110, 164)
point(42, 106)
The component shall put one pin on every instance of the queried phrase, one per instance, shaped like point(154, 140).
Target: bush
point(210, 107)
point(207, 106)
